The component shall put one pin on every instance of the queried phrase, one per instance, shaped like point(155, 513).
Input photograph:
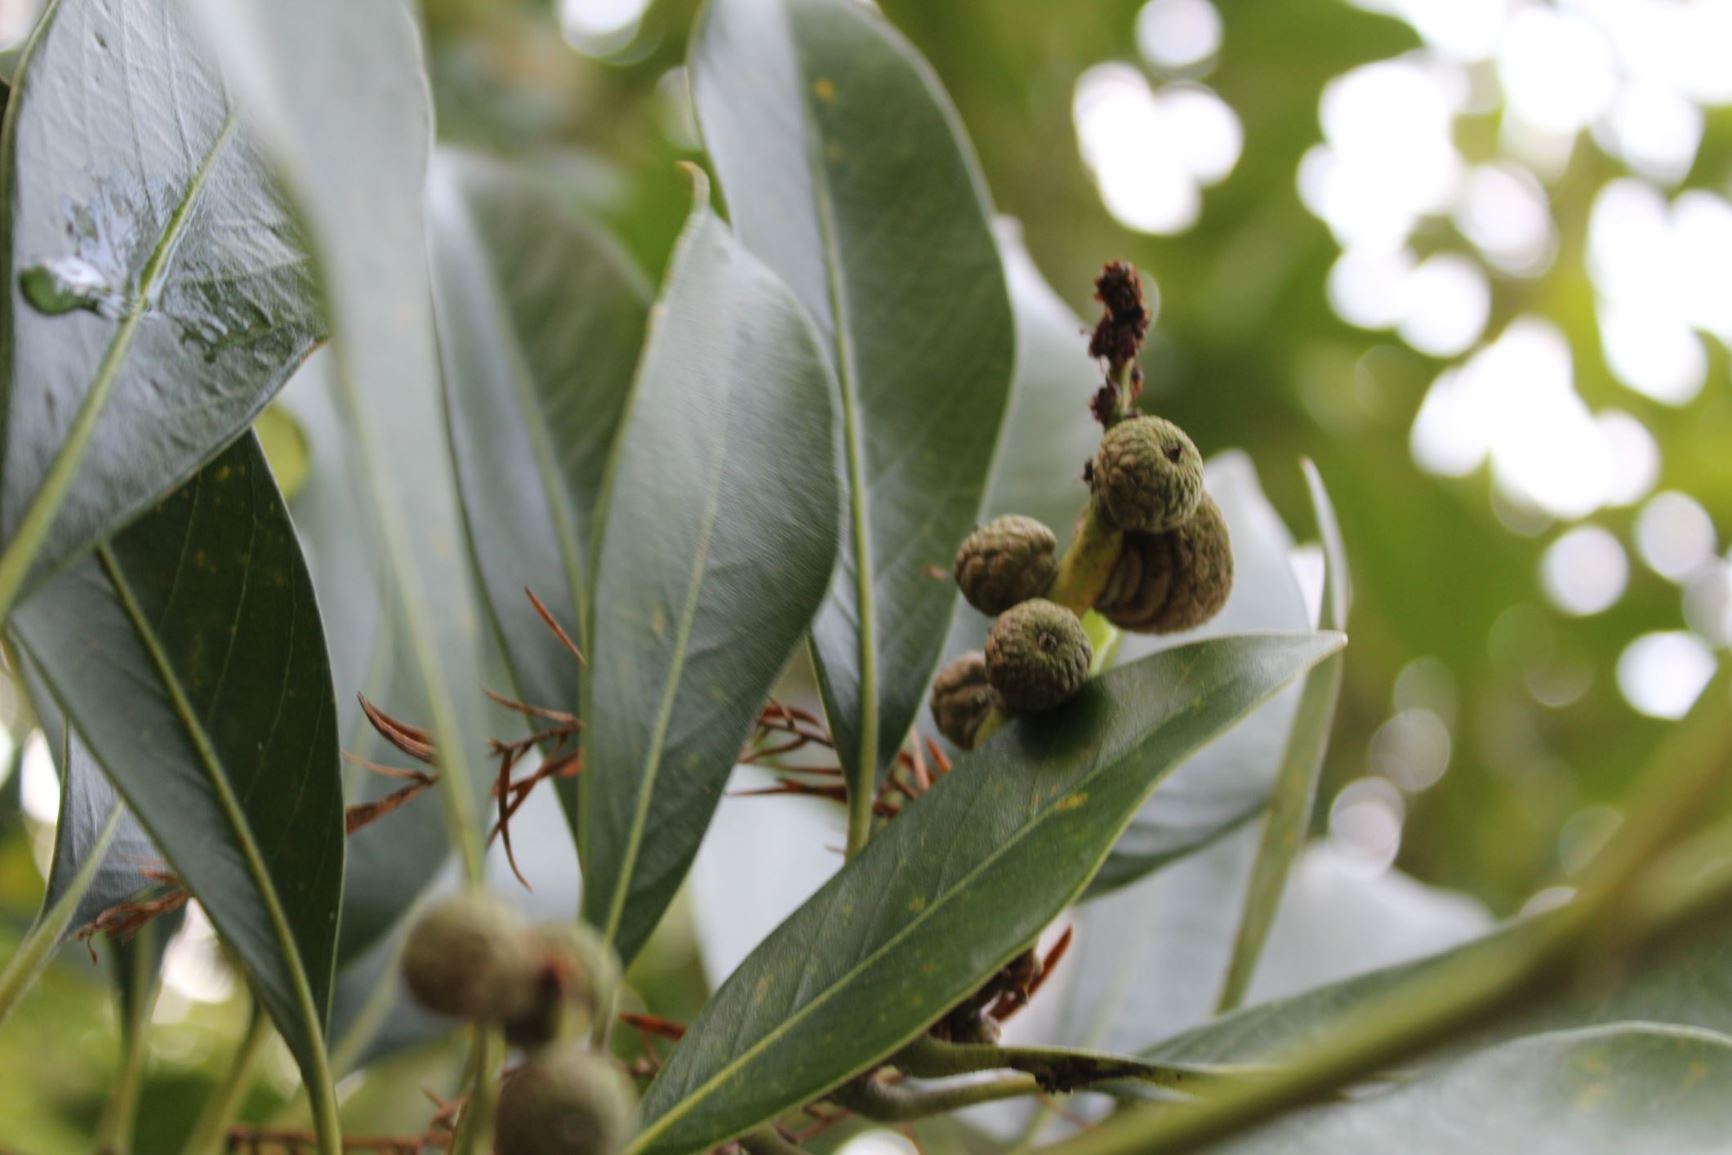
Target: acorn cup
point(564, 1101)
point(473, 957)
point(1164, 583)
point(1008, 560)
point(1147, 475)
point(1037, 656)
point(962, 698)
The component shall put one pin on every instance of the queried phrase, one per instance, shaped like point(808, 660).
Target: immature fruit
point(1008, 560)
point(564, 1101)
point(472, 958)
point(1037, 656)
point(961, 698)
point(1147, 475)
point(574, 986)
point(1167, 582)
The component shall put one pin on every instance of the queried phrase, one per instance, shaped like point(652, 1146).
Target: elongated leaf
point(541, 317)
point(1289, 815)
point(86, 800)
point(845, 169)
point(339, 93)
point(157, 284)
point(1687, 982)
point(718, 542)
point(1605, 1091)
point(189, 657)
point(391, 861)
point(953, 888)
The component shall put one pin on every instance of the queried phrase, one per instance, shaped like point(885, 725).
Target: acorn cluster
point(474, 958)
point(1151, 552)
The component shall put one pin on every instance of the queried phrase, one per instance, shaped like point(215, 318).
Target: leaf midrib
point(211, 763)
point(689, 1102)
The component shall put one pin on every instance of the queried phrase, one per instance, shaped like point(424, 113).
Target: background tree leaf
point(718, 541)
point(1603, 1091)
point(188, 655)
point(541, 317)
point(847, 171)
point(339, 94)
point(952, 888)
point(154, 273)
point(1288, 818)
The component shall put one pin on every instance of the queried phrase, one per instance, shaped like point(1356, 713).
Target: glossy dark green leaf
point(1288, 819)
point(1605, 1091)
point(391, 861)
point(953, 888)
point(718, 539)
point(189, 657)
point(846, 170)
point(338, 90)
point(158, 292)
point(541, 317)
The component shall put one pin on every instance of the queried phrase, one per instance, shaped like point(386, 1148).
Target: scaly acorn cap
point(1147, 475)
point(1008, 560)
point(472, 957)
point(1167, 582)
point(1037, 656)
point(961, 698)
point(564, 1101)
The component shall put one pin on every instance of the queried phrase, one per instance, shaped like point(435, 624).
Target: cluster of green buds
point(1151, 553)
point(474, 958)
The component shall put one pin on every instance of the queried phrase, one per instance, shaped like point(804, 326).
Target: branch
point(893, 1103)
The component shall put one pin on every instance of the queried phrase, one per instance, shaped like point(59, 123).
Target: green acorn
point(473, 958)
point(1167, 582)
point(1008, 560)
point(1147, 475)
point(564, 1101)
point(575, 985)
point(1037, 656)
point(961, 698)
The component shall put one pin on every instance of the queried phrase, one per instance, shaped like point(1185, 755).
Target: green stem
point(38, 946)
point(892, 1103)
point(1088, 564)
point(120, 1114)
point(765, 1141)
point(225, 1102)
point(1623, 904)
point(475, 1129)
point(1056, 1067)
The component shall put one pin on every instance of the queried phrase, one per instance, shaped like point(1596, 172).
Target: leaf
point(718, 540)
point(86, 803)
point(340, 97)
point(1604, 1091)
point(159, 292)
point(1686, 982)
point(846, 170)
point(1289, 814)
point(188, 655)
point(392, 861)
point(952, 889)
point(541, 317)
point(1229, 782)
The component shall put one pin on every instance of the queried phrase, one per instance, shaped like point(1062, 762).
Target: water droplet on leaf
point(60, 286)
